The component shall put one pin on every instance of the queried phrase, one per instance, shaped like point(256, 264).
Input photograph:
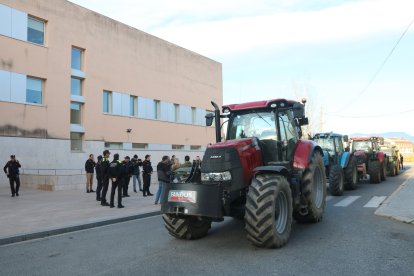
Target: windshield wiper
point(260, 116)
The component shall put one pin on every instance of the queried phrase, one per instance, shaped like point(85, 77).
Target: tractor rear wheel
point(189, 228)
point(383, 170)
point(313, 190)
point(269, 211)
point(351, 174)
point(374, 171)
point(336, 180)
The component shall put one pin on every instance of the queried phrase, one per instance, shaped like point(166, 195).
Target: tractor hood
point(239, 157)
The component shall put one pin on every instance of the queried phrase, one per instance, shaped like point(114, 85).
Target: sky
point(352, 60)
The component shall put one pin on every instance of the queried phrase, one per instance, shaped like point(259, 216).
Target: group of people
point(120, 173)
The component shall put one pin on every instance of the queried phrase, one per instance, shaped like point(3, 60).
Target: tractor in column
point(262, 172)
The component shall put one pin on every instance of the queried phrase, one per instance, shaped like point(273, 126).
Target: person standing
point(164, 174)
point(11, 169)
point(146, 175)
point(136, 163)
point(99, 178)
point(105, 179)
point(127, 176)
point(402, 161)
point(187, 162)
point(89, 168)
point(116, 173)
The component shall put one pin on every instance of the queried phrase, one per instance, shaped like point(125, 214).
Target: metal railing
point(63, 172)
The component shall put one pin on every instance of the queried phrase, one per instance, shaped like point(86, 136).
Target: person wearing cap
point(11, 169)
point(116, 171)
point(99, 177)
point(146, 175)
point(136, 163)
point(127, 176)
point(89, 168)
point(105, 177)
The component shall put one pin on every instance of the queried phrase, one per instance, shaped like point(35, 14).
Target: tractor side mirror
point(303, 121)
point(298, 110)
point(345, 137)
point(209, 119)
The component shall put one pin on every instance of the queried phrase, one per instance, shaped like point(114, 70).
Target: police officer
point(116, 173)
point(12, 170)
point(99, 178)
point(129, 169)
point(105, 177)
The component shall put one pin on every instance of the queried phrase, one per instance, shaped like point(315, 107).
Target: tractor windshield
point(364, 145)
point(257, 124)
point(326, 144)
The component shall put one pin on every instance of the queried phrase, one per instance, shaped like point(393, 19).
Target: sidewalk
point(400, 205)
point(36, 214)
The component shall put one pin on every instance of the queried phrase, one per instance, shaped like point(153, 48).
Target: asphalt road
point(350, 240)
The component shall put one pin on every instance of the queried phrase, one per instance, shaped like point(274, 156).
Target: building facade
point(74, 82)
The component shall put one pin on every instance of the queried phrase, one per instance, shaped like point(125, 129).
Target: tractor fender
point(304, 152)
point(325, 158)
point(345, 159)
point(381, 156)
point(271, 169)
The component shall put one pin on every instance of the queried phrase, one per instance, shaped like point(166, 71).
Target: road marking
point(329, 197)
point(375, 201)
point(346, 201)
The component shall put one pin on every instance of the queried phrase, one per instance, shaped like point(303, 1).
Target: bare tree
point(314, 112)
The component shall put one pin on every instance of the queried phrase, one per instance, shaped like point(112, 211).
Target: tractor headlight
point(221, 176)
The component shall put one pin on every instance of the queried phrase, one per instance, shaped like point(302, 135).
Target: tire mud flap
point(191, 199)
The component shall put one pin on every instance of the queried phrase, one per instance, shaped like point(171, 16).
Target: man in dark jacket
point(164, 173)
point(89, 168)
point(128, 173)
point(12, 170)
point(99, 178)
point(116, 173)
point(146, 175)
point(105, 179)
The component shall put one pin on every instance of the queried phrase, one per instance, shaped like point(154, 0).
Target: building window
point(192, 147)
point(177, 147)
point(35, 30)
point(75, 86)
point(113, 145)
point(133, 106)
point(76, 141)
point(139, 146)
point(176, 113)
point(193, 115)
point(157, 109)
point(77, 58)
point(107, 102)
point(75, 113)
point(34, 90)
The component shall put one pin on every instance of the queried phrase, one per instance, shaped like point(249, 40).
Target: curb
point(58, 231)
point(382, 213)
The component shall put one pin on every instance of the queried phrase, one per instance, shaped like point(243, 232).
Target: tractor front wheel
point(336, 180)
point(351, 175)
point(269, 211)
point(374, 171)
point(189, 228)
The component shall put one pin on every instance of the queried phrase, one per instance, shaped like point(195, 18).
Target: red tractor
point(370, 159)
point(262, 172)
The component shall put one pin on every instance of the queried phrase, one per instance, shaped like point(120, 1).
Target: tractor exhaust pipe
point(217, 121)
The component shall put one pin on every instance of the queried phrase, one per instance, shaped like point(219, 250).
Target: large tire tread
point(314, 213)
point(336, 180)
point(261, 206)
point(189, 228)
point(374, 171)
point(351, 174)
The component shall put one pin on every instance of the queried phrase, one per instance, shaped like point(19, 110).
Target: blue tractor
point(340, 164)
